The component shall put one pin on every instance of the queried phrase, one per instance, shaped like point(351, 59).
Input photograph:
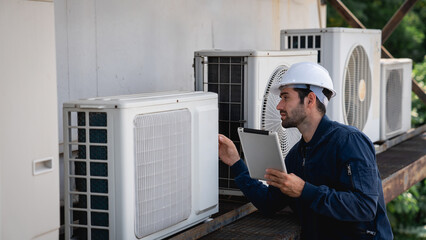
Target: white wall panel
point(305, 14)
point(29, 203)
point(132, 46)
point(76, 52)
point(82, 48)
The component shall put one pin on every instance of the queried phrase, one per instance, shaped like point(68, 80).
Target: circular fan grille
point(271, 118)
point(357, 85)
point(393, 101)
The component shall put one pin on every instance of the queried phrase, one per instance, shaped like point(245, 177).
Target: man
point(333, 184)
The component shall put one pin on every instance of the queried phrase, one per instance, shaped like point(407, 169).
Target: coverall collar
point(324, 124)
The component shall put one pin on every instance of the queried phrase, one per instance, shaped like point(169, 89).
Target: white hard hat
point(305, 73)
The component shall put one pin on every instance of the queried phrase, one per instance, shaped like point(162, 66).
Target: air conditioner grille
point(393, 100)
point(162, 170)
point(357, 86)
point(271, 118)
point(305, 41)
point(88, 191)
point(225, 76)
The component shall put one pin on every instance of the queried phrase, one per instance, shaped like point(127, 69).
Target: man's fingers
point(289, 184)
point(273, 184)
point(223, 139)
point(271, 177)
point(276, 179)
point(220, 137)
point(275, 172)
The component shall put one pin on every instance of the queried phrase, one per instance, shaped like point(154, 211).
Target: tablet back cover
point(261, 151)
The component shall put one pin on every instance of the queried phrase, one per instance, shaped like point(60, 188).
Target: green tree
point(407, 213)
point(408, 39)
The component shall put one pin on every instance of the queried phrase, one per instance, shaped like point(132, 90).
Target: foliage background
point(407, 212)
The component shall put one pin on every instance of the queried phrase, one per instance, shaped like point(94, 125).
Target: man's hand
point(289, 184)
point(228, 153)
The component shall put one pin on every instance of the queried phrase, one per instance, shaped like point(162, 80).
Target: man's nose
point(279, 105)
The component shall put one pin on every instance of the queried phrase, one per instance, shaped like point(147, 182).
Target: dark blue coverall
point(342, 197)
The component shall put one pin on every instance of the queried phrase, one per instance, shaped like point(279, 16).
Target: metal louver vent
point(393, 100)
point(225, 76)
point(162, 170)
point(88, 177)
point(303, 41)
point(357, 85)
point(271, 118)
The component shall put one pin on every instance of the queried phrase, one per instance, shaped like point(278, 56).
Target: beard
point(295, 117)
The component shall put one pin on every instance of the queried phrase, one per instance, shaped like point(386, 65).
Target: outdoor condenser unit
point(243, 79)
point(140, 166)
point(395, 97)
point(352, 57)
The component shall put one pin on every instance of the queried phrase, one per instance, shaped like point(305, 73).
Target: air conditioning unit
point(243, 80)
point(140, 166)
point(395, 97)
point(352, 57)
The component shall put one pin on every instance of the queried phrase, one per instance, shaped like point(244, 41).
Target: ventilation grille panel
point(225, 76)
point(303, 41)
point(162, 170)
point(393, 100)
point(357, 86)
point(88, 193)
point(271, 118)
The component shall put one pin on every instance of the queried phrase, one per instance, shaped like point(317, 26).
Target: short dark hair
point(303, 92)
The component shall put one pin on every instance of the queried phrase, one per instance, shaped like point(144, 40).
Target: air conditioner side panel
point(383, 77)
point(406, 97)
point(373, 125)
point(124, 197)
point(205, 160)
point(252, 98)
point(199, 74)
point(334, 57)
point(373, 48)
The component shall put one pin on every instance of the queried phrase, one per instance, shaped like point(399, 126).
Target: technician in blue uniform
point(333, 184)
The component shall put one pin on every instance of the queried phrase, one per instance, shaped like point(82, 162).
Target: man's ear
point(312, 98)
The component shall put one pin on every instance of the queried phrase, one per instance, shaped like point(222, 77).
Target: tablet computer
point(261, 151)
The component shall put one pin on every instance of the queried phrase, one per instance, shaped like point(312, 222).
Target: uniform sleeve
point(359, 173)
point(267, 199)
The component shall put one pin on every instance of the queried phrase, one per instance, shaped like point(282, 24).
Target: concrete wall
point(29, 203)
point(109, 47)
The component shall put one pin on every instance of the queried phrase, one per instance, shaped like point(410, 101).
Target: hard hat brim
point(276, 89)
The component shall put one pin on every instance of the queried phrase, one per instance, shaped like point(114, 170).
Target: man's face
point(291, 110)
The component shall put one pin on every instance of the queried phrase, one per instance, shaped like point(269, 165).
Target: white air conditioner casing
point(140, 166)
point(242, 79)
point(395, 97)
point(352, 57)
